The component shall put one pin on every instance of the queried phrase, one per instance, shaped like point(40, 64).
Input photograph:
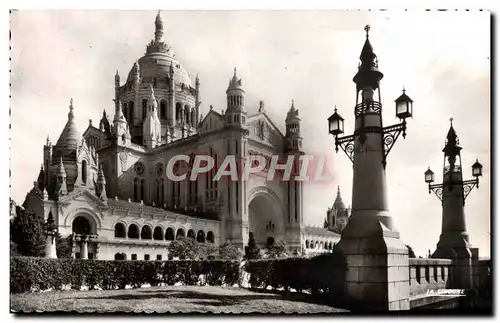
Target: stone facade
point(110, 184)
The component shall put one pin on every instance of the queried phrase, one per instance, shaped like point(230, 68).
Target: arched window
point(163, 109)
point(81, 225)
point(120, 230)
point(200, 236)
point(186, 115)
point(193, 118)
point(133, 231)
point(210, 237)
point(84, 172)
point(120, 256)
point(180, 233)
point(157, 188)
point(178, 112)
point(158, 233)
point(146, 232)
point(135, 189)
point(162, 192)
point(170, 233)
point(144, 108)
point(307, 244)
point(125, 110)
point(143, 187)
point(130, 119)
point(191, 234)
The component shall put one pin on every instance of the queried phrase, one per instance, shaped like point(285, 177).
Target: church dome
point(157, 65)
point(158, 60)
point(70, 135)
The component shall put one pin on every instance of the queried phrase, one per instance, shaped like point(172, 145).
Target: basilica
point(108, 187)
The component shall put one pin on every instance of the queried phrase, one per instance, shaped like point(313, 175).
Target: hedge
point(323, 274)
point(30, 273)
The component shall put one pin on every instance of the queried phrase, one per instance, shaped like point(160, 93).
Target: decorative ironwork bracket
point(390, 135)
point(347, 145)
point(467, 187)
point(438, 190)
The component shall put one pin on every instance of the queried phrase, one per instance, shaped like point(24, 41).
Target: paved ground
point(173, 299)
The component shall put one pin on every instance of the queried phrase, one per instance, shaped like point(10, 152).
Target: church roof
point(70, 135)
point(320, 232)
point(136, 206)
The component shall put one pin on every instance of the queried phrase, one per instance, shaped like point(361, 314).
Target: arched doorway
point(120, 256)
point(265, 217)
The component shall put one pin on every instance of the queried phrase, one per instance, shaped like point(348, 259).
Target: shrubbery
point(323, 274)
point(27, 273)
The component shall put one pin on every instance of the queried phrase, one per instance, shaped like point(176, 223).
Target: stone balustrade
point(428, 274)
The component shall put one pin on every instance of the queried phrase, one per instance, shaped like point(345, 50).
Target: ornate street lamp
point(335, 124)
point(404, 106)
point(452, 169)
point(368, 103)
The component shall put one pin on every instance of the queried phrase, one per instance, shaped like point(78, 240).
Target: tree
point(229, 251)
point(28, 233)
point(252, 251)
point(411, 253)
point(64, 246)
point(184, 248)
point(277, 250)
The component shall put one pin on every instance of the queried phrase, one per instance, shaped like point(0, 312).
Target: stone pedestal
point(461, 277)
point(377, 275)
point(50, 246)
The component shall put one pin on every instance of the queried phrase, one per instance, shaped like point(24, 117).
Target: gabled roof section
point(211, 114)
point(90, 128)
point(264, 116)
point(320, 232)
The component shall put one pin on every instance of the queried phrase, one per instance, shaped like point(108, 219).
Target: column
point(50, 246)
point(84, 252)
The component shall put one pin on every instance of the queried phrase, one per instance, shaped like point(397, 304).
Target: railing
point(364, 107)
point(428, 274)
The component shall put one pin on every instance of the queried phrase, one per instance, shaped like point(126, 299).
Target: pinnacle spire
point(339, 202)
point(159, 28)
point(60, 167)
point(152, 98)
point(70, 114)
point(368, 73)
point(69, 136)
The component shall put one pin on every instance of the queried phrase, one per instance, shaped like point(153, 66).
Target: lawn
point(173, 299)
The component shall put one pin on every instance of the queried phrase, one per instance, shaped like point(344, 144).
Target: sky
point(442, 59)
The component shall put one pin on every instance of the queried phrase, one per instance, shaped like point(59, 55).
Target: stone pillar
point(378, 267)
point(50, 246)
point(84, 252)
point(454, 240)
